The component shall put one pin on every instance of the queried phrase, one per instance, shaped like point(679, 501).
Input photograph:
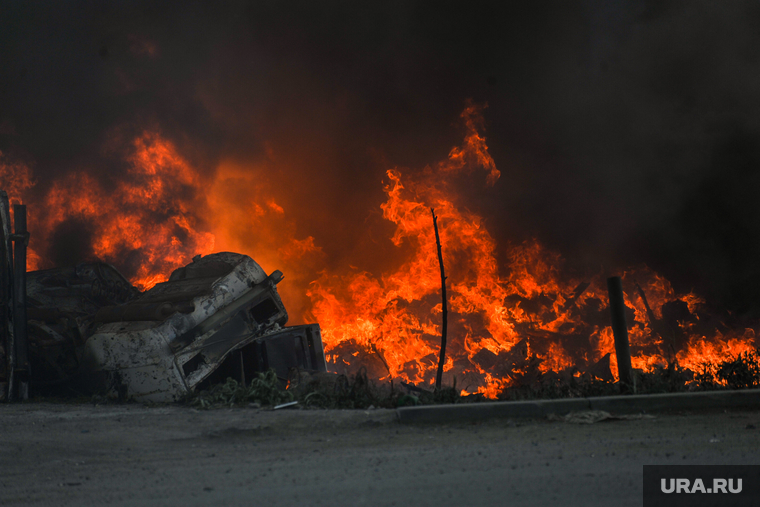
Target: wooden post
point(442, 355)
point(21, 240)
point(620, 330)
point(6, 297)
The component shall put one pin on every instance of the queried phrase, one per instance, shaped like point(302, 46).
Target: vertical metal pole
point(6, 296)
point(21, 240)
point(242, 369)
point(620, 330)
point(444, 313)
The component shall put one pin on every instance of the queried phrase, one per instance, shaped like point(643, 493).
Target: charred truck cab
point(218, 317)
point(91, 332)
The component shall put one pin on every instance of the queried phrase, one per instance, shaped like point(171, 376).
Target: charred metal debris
point(89, 331)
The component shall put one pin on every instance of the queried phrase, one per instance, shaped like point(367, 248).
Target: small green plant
point(264, 389)
point(553, 385)
point(341, 391)
point(326, 390)
point(319, 390)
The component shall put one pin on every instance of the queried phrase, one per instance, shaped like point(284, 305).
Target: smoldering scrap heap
point(90, 331)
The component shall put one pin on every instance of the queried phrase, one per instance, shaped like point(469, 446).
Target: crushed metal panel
point(80, 290)
point(294, 346)
point(291, 347)
point(221, 303)
point(61, 303)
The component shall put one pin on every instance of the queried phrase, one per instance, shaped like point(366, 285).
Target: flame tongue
point(392, 322)
point(147, 212)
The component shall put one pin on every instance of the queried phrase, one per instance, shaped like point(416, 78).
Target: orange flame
point(145, 212)
point(390, 323)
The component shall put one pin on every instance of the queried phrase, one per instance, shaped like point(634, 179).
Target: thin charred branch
point(650, 313)
point(374, 349)
point(445, 316)
point(578, 292)
point(656, 325)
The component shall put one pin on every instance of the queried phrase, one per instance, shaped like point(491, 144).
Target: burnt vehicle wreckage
point(87, 330)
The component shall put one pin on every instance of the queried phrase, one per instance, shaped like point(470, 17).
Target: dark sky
point(626, 132)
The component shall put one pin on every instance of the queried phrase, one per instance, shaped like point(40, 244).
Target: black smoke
point(626, 132)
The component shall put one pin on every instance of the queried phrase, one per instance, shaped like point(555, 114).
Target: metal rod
point(242, 369)
point(442, 356)
point(21, 240)
point(620, 330)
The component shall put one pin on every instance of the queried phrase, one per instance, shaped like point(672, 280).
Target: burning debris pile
point(532, 326)
point(507, 316)
point(89, 330)
point(513, 310)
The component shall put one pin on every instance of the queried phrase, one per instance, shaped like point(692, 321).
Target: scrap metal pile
point(90, 331)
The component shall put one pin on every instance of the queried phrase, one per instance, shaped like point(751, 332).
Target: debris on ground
point(595, 416)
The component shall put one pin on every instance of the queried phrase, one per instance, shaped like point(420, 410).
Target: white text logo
point(685, 486)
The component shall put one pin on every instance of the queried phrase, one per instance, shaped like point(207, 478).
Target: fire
point(17, 180)
point(147, 212)
point(393, 320)
point(501, 319)
point(504, 319)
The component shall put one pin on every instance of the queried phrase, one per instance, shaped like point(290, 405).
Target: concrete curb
point(650, 403)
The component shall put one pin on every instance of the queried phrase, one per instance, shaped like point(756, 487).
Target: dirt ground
point(62, 454)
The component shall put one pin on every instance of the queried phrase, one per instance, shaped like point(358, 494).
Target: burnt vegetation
point(357, 391)
point(319, 390)
point(740, 372)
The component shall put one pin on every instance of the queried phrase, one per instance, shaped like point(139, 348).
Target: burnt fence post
point(6, 300)
point(620, 331)
point(21, 240)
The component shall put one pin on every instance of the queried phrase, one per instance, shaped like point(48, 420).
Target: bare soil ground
point(63, 454)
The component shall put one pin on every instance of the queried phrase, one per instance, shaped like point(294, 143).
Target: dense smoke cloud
point(626, 132)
